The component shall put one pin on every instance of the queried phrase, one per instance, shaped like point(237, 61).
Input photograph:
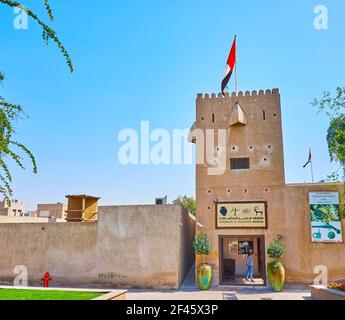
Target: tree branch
point(47, 31)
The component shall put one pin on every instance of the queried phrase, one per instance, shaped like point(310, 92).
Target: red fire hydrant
point(46, 278)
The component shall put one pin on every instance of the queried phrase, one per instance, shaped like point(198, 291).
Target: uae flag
point(230, 66)
point(309, 159)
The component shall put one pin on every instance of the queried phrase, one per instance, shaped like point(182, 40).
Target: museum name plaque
point(241, 215)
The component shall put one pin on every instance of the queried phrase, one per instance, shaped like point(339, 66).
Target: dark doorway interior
point(233, 251)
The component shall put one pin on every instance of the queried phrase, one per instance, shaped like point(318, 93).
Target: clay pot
point(204, 276)
point(276, 276)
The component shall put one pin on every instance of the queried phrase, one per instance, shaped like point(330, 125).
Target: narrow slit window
point(212, 117)
point(264, 115)
point(239, 163)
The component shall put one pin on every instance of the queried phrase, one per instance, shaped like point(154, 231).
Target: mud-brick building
point(246, 205)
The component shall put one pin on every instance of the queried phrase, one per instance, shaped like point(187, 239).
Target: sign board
point(324, 217)
point(233, 247)
point(244, 247)
point(241, 215)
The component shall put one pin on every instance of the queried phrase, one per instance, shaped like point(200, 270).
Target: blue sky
point(146, 60)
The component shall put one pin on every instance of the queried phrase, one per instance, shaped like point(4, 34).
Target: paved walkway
point(190, 292)
point(136, 294)
point(291, 292)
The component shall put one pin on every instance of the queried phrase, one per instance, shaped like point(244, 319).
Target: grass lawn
point(24, 294)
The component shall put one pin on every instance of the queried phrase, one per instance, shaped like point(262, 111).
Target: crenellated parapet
point(274, 91)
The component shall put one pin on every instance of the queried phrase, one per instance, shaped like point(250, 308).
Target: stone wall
point(303, 255)
point(129, 246)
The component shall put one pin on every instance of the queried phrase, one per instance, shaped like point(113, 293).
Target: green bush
point(274, 266)
point(202, 246)
point(276, 250)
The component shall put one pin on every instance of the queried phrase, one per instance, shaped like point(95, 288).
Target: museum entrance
point(233, 253)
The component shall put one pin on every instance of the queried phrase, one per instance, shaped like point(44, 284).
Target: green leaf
point(202, 246)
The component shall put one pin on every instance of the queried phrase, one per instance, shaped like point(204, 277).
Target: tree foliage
point(334, 108)
point(336, 139)
point(188, 203)
point(11, 113)
point(9, 148)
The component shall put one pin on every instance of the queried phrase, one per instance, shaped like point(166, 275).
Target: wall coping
point(309, 184)
point(332, 291)
point(252, 93)
point(138, 205)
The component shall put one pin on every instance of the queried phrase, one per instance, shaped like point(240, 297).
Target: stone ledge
point(113, 295)
point(323, 293)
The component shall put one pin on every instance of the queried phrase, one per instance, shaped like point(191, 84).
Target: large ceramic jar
point(276, 276)
point(204, 276)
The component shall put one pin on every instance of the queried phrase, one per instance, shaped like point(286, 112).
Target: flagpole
point(236, 83)
point(311, 169)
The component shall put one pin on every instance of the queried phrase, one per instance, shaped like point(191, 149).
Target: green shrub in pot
point(275, 268)
point(203, 247)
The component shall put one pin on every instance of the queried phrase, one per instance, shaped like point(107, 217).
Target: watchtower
point(254, 142)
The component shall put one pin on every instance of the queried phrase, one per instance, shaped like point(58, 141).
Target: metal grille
point(239, 163)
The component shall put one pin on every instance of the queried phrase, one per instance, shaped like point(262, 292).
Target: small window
point(239, 163)
point(212, 117)
point(264, 115)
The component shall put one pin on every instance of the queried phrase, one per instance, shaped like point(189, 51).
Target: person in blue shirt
point(249, 276)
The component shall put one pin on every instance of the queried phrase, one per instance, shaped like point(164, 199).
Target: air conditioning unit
point(161, 201)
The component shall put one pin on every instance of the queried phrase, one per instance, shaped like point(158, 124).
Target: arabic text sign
point(324, 217)
point(241, 215)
